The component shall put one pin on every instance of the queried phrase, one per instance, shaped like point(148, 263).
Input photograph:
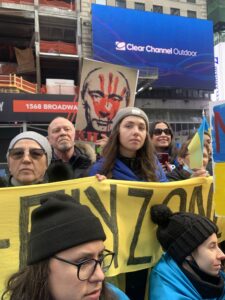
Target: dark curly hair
point(172, 150)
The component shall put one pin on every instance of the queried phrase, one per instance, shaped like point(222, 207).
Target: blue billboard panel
point(181, 48)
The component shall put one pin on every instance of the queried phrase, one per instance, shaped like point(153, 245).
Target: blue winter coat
point(167, 281)
point(120, 295)
point(122, 172)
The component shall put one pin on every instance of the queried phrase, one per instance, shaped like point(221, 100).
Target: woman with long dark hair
point(162, 138)
point(129, 155)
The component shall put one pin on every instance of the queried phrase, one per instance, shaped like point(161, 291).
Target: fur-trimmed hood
point(87, 149)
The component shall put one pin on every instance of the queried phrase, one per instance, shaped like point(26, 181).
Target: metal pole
point(24, 126)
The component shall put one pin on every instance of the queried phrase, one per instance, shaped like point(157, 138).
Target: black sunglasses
point(34, 153)
point(159, 131)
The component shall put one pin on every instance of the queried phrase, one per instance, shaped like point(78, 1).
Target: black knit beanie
point(60, 223)
point(180, 233)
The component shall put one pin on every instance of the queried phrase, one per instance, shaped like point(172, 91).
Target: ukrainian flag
point(196, 145)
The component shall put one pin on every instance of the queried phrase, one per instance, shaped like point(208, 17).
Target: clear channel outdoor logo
point(123, 46)
point(120, 46)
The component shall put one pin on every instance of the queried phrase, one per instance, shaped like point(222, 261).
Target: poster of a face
point(104, 89)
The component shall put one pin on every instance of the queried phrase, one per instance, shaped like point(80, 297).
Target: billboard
point(180, 47)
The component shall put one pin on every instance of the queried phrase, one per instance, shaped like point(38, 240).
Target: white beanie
point(37, 137)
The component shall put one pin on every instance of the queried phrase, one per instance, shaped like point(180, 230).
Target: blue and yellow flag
point(196, 145)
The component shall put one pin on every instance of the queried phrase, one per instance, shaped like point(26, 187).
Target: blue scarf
point(122, 172)
point(167, 281)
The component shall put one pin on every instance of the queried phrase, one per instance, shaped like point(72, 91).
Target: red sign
point(44, 106)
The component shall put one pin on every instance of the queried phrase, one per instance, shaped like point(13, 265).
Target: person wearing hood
point(191, 267)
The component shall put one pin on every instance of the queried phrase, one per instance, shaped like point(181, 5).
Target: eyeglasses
point(159, 131)
point(34, 153)
point(87, 267)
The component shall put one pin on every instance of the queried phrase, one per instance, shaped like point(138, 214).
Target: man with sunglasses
point(28, 156)
point(67, 259)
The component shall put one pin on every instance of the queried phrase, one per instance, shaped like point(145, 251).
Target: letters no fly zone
point(111, 206)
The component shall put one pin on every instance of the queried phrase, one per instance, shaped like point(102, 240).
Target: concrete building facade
point(216, 13)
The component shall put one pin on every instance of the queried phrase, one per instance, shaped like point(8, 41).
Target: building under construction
point(42, 43)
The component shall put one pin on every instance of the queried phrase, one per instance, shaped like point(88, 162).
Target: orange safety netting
point(58, 47)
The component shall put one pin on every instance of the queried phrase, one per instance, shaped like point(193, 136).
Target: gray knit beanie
point(130, 111)
point(37, 137)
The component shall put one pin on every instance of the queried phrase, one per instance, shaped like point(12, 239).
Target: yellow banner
point(219, 171)
point(217, 120)
point(122, 206)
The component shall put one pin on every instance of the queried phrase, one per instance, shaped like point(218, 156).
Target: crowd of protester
point(73, 269)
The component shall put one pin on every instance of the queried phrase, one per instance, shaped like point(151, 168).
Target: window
point(103, 2)
point(121, 3)
point(191, 1)
point(140, 6)
point(157, 8)
point(192, 14)
point(174, 11)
